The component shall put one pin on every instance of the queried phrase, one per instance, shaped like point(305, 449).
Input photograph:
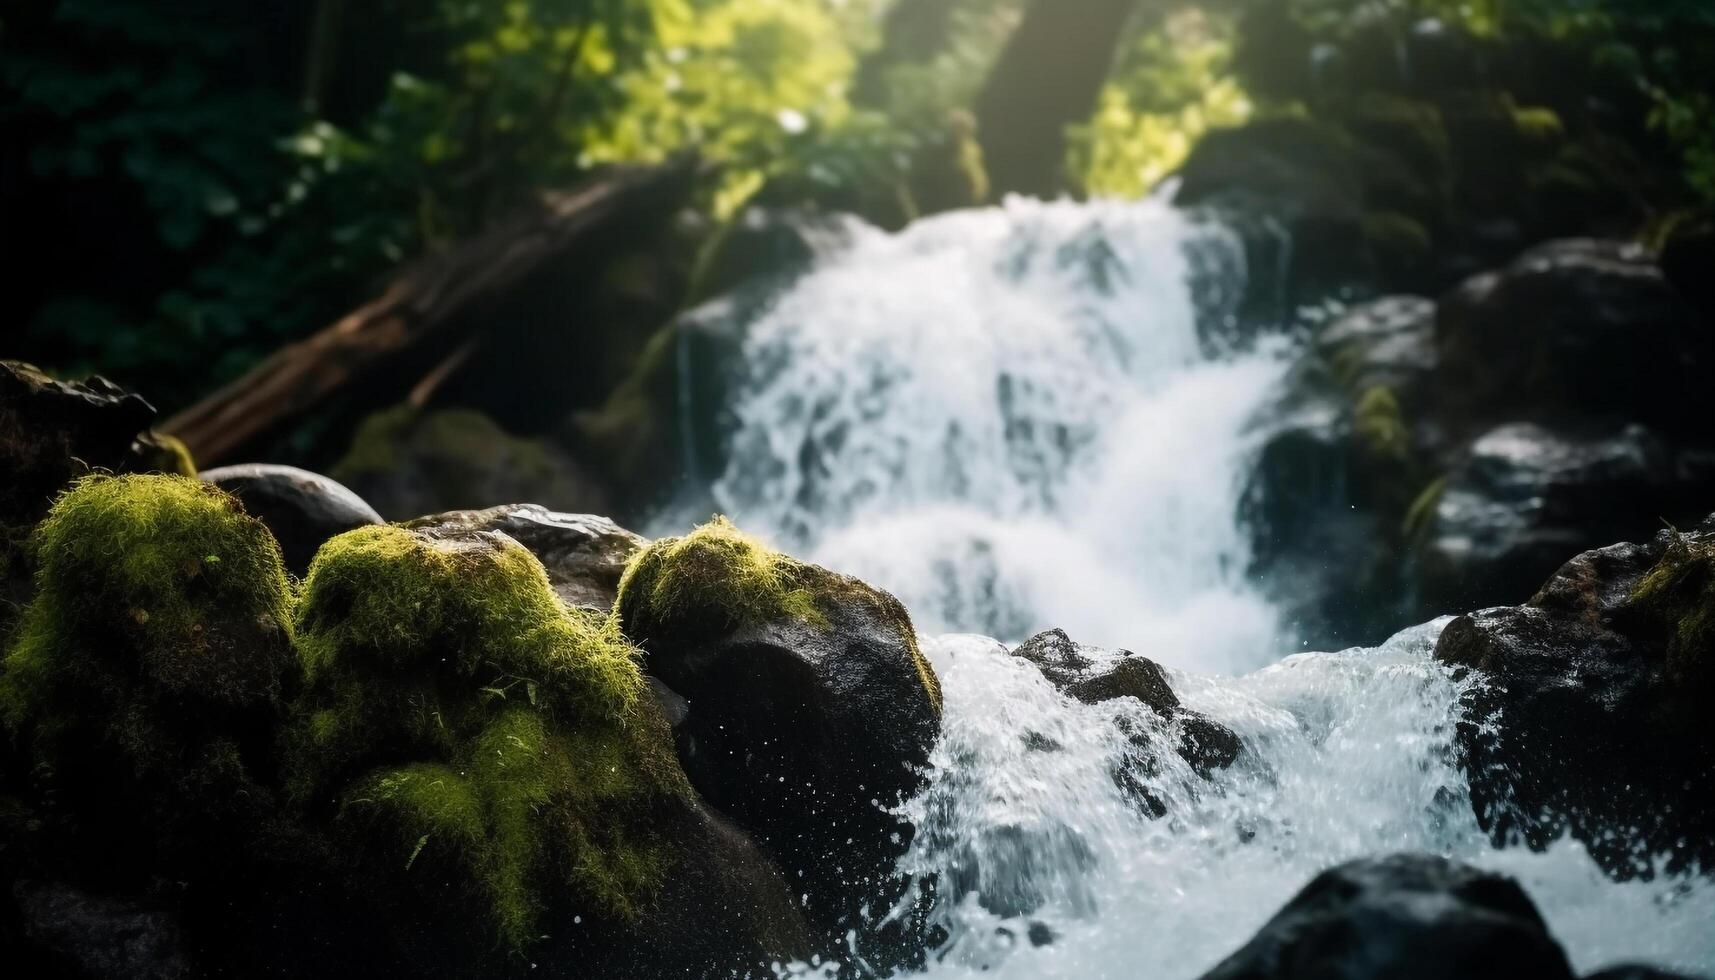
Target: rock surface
point(1096, 676)
point(1405, 917)
point(1586, 715)
point(1429, 458)
point(811, 710)
point(1583, 327)
point(584, 554)
point(408, 463)
point(303, 509)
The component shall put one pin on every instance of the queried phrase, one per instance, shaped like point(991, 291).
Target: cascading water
point(1020, 418)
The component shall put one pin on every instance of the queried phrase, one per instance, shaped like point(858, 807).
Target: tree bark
point(1048, 78)
point(431, 313)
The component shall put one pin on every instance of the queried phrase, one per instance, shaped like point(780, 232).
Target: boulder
point(584, 554)
point(301, 508)
point(1526, 497)
point(1579, 328)
point(811, 710)
point(1296, 188)
point(488, 761)
point(408, 463)
point(1384, 343)
point(1405, 917)
point(1584, 716)
point(53, 432)
point(1095, 676)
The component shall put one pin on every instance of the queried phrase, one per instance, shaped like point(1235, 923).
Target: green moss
point(717, 579)
point(160, 582)
point(1380, 425)
point(459, 713)
point(1398, 240)
point(1413, 130)
point(157, 452)
point(1678, 595)
point(713, 580)
point(1538, 125)
point(1421, 513)
point(145, 672)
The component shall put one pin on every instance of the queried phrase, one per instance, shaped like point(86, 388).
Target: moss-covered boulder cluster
point(423, 729)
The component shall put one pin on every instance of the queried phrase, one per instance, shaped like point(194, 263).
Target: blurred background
point(466, 252)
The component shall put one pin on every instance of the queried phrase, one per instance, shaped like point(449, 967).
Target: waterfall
point(1035, 416)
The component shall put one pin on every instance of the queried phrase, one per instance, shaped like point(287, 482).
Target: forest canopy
point(188, 192)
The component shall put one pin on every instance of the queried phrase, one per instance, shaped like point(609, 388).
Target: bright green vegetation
point(467, 725)
point(713, 580)
point(717, 579)
point(148, 586)
point(143, 675)
point(1679, 595)
point(1380, 425)
point(269, 167)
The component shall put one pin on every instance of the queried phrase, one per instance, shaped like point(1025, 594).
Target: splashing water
point(1015, 419)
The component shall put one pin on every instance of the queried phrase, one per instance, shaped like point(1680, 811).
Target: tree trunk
point(914, 32)
point(1048, 78)
point(422, 328)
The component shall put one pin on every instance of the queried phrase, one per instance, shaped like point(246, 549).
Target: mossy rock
point(489, 755)
point(1410, 128)
point(1677, 599)
point(584, 554)
point(812, 709)
point(145, 674)
point(407, 463)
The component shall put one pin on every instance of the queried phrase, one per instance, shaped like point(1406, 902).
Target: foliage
point(1664, 49)
point(1168, 89)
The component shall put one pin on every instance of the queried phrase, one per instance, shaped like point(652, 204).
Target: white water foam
point(1007, 418)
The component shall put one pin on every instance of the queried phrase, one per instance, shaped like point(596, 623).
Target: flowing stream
point(1026, 417)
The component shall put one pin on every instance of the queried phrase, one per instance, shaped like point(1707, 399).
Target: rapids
point(1033, 416)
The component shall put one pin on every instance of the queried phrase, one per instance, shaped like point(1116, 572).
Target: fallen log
point(431, 313)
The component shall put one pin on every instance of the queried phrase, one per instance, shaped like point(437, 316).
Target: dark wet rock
point(1635, 971)
point(1300, 186)
point(1526, 497)
point(811, 711)
point(52, 432)
point(1686, 258)
point(1424, 458)
point(407, 463)
point(585, 555)
point(1584, 714)
point(1095, 676)
point(303, 509)
point(1387, 343)
point(1575, 328)
point(724, 908)
point(1405, 917)
point(97, 937)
